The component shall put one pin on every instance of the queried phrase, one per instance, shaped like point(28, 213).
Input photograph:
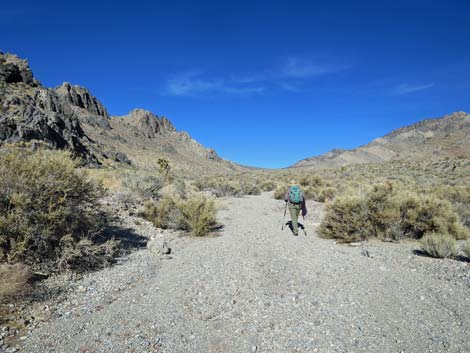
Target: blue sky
point(265, 83)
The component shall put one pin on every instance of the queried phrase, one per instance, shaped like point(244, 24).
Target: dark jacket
point(303, 205)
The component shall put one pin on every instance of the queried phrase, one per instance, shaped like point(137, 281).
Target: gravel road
point(256, 288)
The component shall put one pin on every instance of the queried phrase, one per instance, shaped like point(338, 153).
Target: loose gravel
point(255, 288)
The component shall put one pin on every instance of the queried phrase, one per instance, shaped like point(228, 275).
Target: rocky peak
point(148, 123)
point(15, 70)
point(82, 98)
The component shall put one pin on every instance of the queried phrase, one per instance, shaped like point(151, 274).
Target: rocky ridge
point(442, 137)
point(70, 117)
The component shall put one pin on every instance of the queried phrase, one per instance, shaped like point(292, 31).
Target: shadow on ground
point(127, 237)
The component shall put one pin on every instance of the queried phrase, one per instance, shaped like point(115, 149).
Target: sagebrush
point(47, 205)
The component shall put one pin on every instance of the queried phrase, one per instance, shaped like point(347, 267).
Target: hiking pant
point(294, 215)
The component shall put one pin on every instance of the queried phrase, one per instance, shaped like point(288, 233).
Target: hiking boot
point(296, 234)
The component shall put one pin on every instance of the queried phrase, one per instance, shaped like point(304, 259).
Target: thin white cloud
point(189, 84)
point(286, 77)
point(407, 88)
point(242, 91)
point(290, 87)
point(301, 68)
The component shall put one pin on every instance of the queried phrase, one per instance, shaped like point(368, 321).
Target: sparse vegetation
point(389, 211)
point(47, 208)
point(163, 214)
point(198, 215)
point(195, 215)
point(439, 245)
point(146, 186)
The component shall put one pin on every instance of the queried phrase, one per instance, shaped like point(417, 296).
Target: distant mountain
point(448, 136)
point(70, 117)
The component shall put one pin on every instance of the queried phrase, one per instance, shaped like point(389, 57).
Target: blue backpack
point(295, 194)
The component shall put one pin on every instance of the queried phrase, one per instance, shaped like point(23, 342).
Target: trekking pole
point(303, 227)
point(284, 218)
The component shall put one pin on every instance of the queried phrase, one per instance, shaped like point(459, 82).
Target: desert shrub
point(198, 214)
point(439, 245)
point(425, 214)
point(310, 192)
point(147, 186)
point(459, 196)
point(311, 180)
point(267, 185)
point(180, 188)
point(326, 194)
point(44, 198)
point(280, 192)
point(389, 211)
point(14, 280)
point(345, 219)
point(163, 214)
point(466, 248)
point(248, 188)
point(86, 254)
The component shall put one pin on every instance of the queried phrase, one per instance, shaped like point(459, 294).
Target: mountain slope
point(442, 137)
point(70, 117)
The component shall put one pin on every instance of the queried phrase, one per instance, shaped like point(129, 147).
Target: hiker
point(296, 201)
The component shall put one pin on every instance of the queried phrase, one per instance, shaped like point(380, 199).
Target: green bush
point(427, 214)
point(45, 199)
point(345, 219)
point(163, 214)
point(195, 215)
point(198, 214)
point(389, 211)
point(439, 245)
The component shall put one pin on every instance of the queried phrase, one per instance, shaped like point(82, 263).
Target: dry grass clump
point(326, 194)
point(389, 211)
point(163, 214)
point(310, 180)
point(267, 185)
point(439, 245)
point(44, 200)
point(195, 214)
point(280, 192)
point(14, 280)
point(198, 215)
point(248, 188)
point(146, 186)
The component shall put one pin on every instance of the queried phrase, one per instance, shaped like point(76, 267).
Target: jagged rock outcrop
point(147, 123)
point(70, 117)
point(29, 111)
point(87, 107)
point(15, 70)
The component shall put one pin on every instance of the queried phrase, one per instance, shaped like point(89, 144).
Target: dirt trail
point(256, 288)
